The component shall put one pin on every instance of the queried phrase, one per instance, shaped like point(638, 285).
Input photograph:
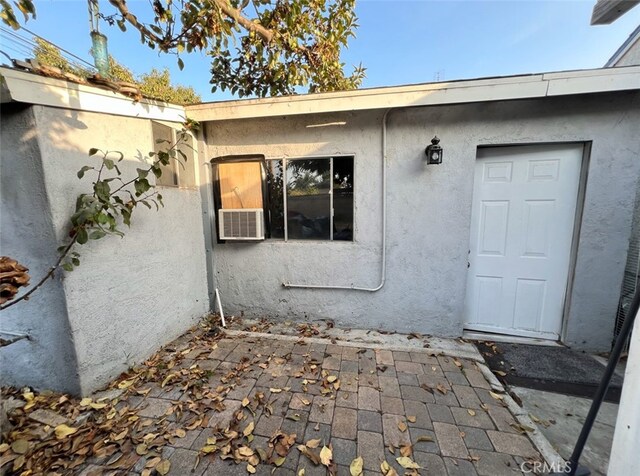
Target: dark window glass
point(343, 198)
point(309, 199)
point(307, 194)
point(276, 198)
point(162, 141)
point(186, 166)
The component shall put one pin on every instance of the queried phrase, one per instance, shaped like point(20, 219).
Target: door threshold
point(488, 336)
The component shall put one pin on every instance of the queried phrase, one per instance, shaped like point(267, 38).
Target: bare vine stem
point(77, 228)
point(49, 274)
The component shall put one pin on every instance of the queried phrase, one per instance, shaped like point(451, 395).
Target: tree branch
point(133, 20)
point(46, 276)
point(167, 43)
point(243, 21)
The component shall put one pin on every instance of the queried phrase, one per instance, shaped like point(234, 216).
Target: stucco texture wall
point(131, 295)
point(631, 56)
point(27, 234)
point(429, 209)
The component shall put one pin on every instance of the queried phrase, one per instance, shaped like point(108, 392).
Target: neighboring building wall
point(629, 53)
point(28, 235)
point(631, 57)
point(429, 210)
point(131, 295)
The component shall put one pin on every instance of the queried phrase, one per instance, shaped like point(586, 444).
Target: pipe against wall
point(224, 324)
point(383, 271)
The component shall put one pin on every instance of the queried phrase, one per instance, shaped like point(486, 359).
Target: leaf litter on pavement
point(117, 430)
point(57, 434)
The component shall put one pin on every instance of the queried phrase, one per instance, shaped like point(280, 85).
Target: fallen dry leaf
point(62, 431)
point(402, 426)
point(326, 455)
point(471, 412)
point(248, 429)
point(142, 449)
point(251, 469)
point(20, 446)
point(163, 467)
point(355, 468)
point(412, 418)
point(407, 463)
point(313, 443)
point(406, 450)
point(496, 395)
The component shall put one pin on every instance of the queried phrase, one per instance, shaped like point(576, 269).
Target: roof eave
point(30, 88)
point(429, 94)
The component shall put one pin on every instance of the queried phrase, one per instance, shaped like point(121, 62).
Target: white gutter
point(383, 268)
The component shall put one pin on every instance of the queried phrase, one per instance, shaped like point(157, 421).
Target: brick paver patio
point(246, 403)
point(359, 401)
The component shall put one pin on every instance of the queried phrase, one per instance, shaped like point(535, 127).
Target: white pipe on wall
point(224, 324)
point(383, 270)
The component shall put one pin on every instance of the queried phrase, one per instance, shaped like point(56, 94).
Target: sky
point(398, 42)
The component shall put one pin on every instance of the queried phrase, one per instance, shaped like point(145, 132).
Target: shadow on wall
point(47, 359)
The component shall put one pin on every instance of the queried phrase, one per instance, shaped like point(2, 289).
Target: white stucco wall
point(27, 234)
point(429, 211)
point(130, 295)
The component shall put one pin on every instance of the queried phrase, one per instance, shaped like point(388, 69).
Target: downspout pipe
point(383, 268)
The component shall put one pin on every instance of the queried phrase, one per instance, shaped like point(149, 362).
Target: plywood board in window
point(241, 185)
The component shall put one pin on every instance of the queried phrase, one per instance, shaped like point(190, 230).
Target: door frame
point(577, 224)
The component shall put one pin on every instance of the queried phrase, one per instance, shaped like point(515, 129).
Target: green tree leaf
point(82, 171)
point(83, 236)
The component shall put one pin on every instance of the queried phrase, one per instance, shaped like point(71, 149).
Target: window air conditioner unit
point(243, 224)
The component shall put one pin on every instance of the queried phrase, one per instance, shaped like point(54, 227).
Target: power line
point(12, 36)
point(59, 47)
point(15, 50)
point(12, 43)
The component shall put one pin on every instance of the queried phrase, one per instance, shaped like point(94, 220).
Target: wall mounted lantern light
point(434, 151)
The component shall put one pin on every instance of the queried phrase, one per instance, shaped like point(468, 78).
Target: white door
point(522, 221)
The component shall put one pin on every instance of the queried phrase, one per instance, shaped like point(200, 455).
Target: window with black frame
point(311, 198)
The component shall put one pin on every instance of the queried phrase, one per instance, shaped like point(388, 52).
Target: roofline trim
point(30, 88)
point(429, 94)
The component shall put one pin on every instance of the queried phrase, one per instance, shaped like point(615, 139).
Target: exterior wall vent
point(245, 224)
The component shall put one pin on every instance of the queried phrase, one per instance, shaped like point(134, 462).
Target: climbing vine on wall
point(112, 200)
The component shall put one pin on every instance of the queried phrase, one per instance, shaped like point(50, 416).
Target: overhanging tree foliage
point(154, 84)
point(258, 47)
